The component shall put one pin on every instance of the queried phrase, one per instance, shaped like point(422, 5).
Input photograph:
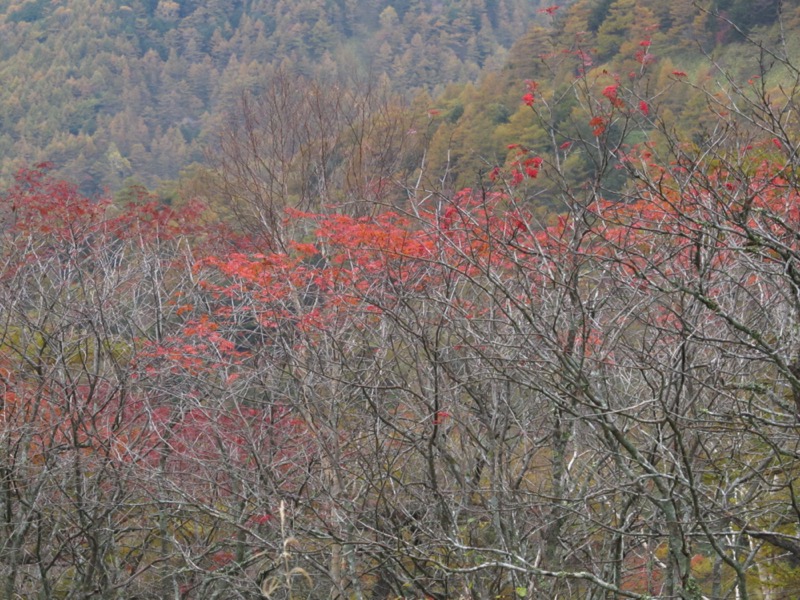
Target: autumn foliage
point(457, 394)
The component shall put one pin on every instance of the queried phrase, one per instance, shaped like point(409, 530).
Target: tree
point(603, 404)
point(311, 145)
point(458, 395)
point(80, 288)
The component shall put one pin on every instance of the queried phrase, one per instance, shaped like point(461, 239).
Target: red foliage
point(530, 97)
point(598, 125)
point(611, 93)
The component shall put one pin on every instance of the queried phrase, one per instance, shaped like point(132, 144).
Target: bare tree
point(311, 145)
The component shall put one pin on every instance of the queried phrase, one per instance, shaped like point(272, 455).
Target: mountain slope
point(107, 89)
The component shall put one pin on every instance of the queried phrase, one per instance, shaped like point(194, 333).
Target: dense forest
point(110, 90)
point(459, 300)
point(116, 93)
point(643, 42)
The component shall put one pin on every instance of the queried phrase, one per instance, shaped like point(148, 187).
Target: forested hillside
point(113, 93)
point(327, 368)
point(643, 43)
point(108, 89)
